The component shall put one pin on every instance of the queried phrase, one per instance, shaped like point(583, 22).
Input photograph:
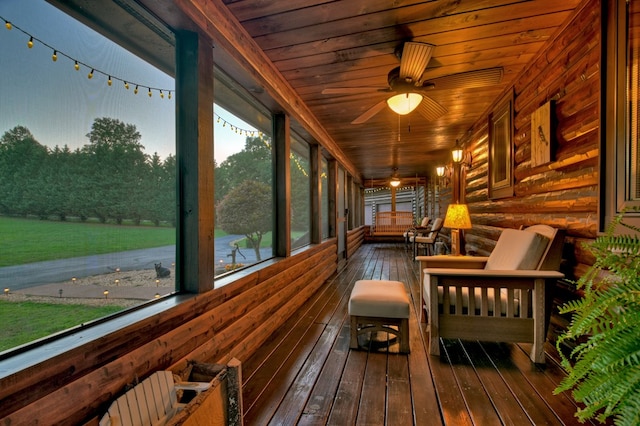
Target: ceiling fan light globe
point(404, 103)
point(395, 182)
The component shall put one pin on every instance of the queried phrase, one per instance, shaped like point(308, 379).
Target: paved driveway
point(52, 271)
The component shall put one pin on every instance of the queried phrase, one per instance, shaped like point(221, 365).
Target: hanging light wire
point(9, 25)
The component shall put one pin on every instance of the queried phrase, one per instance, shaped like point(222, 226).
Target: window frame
point(501, 142)
point(615, 146)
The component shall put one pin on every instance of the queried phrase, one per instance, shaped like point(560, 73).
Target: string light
point(76, 63)
point(135, 91)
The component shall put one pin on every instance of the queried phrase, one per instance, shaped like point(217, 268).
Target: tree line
point(112, 179)
point(109, 178)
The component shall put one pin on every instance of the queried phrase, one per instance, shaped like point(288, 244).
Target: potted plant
point(604, 366)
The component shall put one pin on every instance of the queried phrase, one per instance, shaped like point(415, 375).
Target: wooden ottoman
point(376, 305)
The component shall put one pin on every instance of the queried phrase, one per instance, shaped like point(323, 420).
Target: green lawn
point(43, 319)
point(31, 240)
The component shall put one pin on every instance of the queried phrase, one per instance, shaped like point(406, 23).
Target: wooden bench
point(392, 223)
point(155, 400)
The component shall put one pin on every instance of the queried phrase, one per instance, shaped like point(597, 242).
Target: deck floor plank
point(306, 374)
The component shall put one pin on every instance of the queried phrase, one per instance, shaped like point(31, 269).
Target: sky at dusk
point(59, 104)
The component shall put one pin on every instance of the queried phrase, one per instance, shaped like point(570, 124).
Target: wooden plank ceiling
point(320, 44)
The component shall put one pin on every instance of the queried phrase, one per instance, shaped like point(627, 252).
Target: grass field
point(43, 319)
point(27, 240)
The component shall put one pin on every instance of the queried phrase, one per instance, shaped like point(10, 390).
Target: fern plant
point(604, 366)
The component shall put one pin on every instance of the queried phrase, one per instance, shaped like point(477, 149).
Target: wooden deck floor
point(307, 375)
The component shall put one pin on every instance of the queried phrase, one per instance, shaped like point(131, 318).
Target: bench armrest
point(452, 262)
point(483, 273)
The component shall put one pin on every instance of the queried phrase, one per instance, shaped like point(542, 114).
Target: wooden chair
point(415, 230)
point(502, 297)
point(427, 241)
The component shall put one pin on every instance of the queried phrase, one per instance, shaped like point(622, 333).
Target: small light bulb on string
point(90, 75)
point(161, 95)
point(126, 85)
point(169, 95)
point(109, 82)
point(149, 92)
point(76, 66)
point(30, 43)
point(54, 57)
point(8, 25)
point(135, 91)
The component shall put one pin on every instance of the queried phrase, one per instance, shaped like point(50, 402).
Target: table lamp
point(457, 218)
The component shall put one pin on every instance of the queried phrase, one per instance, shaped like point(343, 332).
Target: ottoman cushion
point(379, 298)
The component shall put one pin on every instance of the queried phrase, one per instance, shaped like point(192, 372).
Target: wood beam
point(194, 154)
point(282, 184)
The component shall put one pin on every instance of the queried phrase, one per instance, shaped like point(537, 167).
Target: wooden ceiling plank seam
point(412, 17)
point(422, 34)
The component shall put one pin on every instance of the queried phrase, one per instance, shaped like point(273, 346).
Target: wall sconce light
point(444, 174)
point(461, 157)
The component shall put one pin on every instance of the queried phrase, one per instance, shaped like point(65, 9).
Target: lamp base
point(455, 242)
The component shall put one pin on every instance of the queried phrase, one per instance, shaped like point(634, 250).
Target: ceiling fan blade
point(466, 80)
point(350, 90)
point(430, 109)
point(414, 60)
point(370, 112)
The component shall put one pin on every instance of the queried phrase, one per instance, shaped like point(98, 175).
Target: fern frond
point(604, 369)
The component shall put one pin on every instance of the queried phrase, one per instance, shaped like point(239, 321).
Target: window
point(620, 184)
point(501, 150)
point(300, 192)
point(87, 173)
point(243, 157)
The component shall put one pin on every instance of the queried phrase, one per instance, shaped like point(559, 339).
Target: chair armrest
point(483, 273)
point(452, 262)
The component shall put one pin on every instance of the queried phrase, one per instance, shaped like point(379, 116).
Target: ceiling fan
point(408, 88)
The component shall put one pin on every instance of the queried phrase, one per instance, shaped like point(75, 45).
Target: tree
point(246, 210)
point(254, 162)
point(117, 169)
point(21, 162)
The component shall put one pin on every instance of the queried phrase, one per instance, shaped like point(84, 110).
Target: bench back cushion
point(517, 249)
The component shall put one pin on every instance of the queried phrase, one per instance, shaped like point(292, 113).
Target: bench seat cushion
point(379, 298)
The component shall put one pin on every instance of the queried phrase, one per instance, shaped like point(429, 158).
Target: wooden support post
point(194, 155)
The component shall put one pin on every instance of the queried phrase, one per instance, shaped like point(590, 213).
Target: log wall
point(564, 192)
point(213, 327)
point(355, 238)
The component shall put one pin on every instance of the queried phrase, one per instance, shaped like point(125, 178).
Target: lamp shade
point(394, 182)
point(457, 217)
point(404, 103)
